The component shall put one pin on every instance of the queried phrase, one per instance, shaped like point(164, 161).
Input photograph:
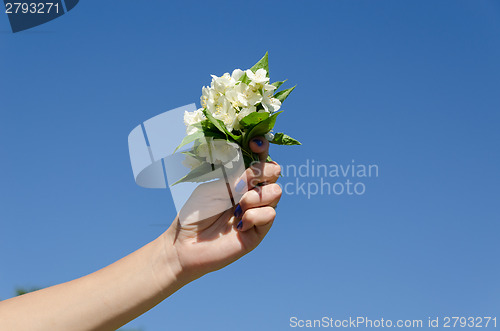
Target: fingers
point(258, 173)
point(262, 218)
point(259, 145)
point(267, 195)
point(256, 205)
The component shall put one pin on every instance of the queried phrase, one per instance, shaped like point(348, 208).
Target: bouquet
point(235, 108)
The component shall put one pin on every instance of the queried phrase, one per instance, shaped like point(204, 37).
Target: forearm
point(103, 300)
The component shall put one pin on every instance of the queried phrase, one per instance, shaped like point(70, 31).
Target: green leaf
point(248, 161)
point(191, 153)
point(262, 64)
point(195, 174)
point(221, 126)
point(278, 84)
point(211, 130)
point(190, 138)
point(253, 119)
point(217, 123)
point(206, 126)
point(245, 79)
point(282, 95)
point(260, 129)
point(282, 139)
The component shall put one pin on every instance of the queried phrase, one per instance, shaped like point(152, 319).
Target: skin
point(118, 293)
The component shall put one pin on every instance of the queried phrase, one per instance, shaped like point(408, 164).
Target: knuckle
point(244, 201)
point(276, 190)
point(253, 182)
point(277, 169)
point(273, 170)
point(248, 199)
point(271, 213)
point(256, 168)
point(249, 216)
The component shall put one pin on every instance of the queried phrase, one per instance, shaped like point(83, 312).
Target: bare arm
point(118, 293)
point(103, 300)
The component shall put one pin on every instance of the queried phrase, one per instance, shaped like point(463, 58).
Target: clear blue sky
point(412, 86)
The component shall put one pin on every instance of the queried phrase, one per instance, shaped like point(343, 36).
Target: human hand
point(113, 296)
point(212, 243)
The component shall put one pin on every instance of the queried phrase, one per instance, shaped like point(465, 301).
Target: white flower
point(253, 96)
point(246, 111)
point(238, 95)
point(257, 78)
point(269, 136)
point(225, 112)
point(269, 87)
point(243, 95)
point(237, 74)
point(220, 84)
point(208, 97)
point(229, 100)
point(269, 103)
point(226, 153)
point(191, 162)
point(191, 119)
point(219, 152)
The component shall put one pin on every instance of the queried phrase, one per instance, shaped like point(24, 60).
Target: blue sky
point(411, 86)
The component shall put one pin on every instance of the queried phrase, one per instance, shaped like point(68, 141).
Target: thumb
point(260, 146)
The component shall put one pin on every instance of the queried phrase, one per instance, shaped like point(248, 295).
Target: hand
point(112, 296)
point(212, 243)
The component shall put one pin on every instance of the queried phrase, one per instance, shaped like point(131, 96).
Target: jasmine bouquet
point(235, 108)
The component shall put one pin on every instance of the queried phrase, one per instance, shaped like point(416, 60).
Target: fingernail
point(237, 212)
point(258, 142)
point(240, 186)
point(240, 225)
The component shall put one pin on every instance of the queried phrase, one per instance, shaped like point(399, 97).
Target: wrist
point(172, 260)
point(167, 268)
